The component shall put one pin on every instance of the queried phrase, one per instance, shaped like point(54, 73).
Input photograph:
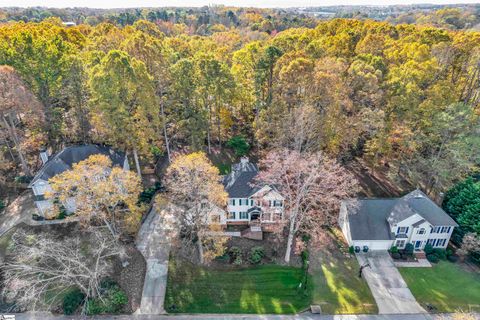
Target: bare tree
point(40, 264)
point(312, 186)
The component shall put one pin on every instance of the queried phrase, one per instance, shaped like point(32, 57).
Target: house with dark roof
point(63, 161)
point(380, 224)
point(251, 203)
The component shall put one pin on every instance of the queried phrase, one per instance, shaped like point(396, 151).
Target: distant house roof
point(370, 219)
point(65, 159)
point(239, 182)
point(417, 202)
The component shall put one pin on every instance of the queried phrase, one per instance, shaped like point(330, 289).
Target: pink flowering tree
point(312, 185)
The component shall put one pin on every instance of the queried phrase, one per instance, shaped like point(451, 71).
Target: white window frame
point(421, 231)
point(400, 241)
point(243, 215)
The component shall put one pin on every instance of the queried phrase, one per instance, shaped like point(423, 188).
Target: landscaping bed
point(446, 287)
point(263, 289)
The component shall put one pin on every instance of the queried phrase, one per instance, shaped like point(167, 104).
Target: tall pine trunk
point(165, 135)
point(137, 163)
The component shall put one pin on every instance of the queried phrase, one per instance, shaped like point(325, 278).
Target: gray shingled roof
point(417, 202)
point(239, 182)
point(368, 218)
point(64, 160)
point(243, 186)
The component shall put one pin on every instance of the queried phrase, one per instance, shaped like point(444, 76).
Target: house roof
point(417, 202)
point(419, 222)
point(239, 182)
point(242, 186)
point(65, 159)
point(368, 218)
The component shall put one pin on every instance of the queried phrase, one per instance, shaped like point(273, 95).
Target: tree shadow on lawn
point(258, 290)
point(338, 289)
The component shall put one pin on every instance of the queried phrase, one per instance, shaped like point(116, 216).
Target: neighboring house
point(258, 206)
point(380, 224)
point(63, 161)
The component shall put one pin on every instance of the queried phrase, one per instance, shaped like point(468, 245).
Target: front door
point(418, 244)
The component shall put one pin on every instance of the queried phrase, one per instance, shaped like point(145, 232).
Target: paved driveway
point(154, 241)
point(387, 285)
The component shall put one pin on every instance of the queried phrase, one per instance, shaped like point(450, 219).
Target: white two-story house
point(251, 203)
point(63, 161)
point(380, 224)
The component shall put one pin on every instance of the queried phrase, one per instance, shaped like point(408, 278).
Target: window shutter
point(398, 230)
point(406, 230)
point(233, 201)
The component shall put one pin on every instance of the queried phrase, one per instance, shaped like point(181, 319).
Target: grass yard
point(266, 289)
point(337, 287)
point(446, 286)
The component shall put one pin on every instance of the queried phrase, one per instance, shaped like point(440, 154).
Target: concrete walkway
point(154, 242)
point(420, 263)
point(306, 316)
point(387, 285)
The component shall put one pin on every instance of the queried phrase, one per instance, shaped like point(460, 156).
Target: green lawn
point(266, 289)
point(339, 290)
point(337, 287)
point(446, 286)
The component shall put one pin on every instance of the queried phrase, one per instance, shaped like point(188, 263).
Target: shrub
point(440, 253)
point(351, 249)
point(394, 249)
point(409, 249)
point(62, 214)
point(306, 237)
point(365, 248)
point(256, 255)
point(428, 249)
point(432, 258)
point(72, 301)
point(305, 255)
point(238, 261)
point(23, 179)
point(239, 144)
point(449, 252)
point(396, 255)
point(234, 252)
point(113, 300)
point(147, 195)
point(2, 205)
point(452, 258)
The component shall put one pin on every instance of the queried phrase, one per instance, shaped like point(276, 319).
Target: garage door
point(374, 245)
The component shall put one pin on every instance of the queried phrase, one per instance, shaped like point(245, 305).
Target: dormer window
point(421, 231)
point(402, 230)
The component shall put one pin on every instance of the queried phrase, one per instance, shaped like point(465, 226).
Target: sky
point(199, 3)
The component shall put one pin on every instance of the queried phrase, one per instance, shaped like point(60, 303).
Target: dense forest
point(404, 98)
